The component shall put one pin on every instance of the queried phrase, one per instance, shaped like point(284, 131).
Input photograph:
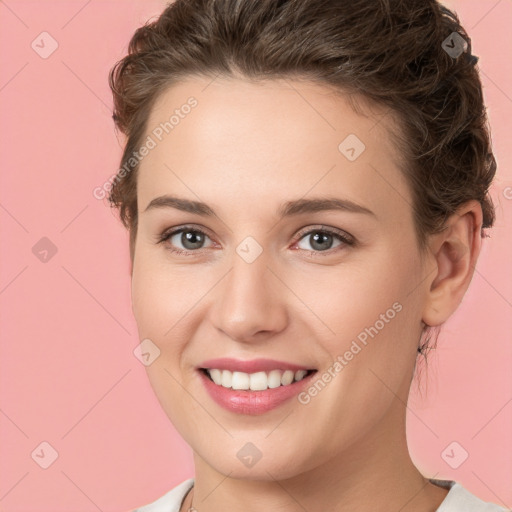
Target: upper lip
point(251, 366)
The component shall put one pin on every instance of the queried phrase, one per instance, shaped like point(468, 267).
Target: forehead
point(224, 135)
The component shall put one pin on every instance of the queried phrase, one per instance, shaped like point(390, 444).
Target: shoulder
point(459, 499)
point(170, 501)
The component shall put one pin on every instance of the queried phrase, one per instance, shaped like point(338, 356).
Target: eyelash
point(345, 238)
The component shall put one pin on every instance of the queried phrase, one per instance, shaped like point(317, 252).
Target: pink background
point(69, 376)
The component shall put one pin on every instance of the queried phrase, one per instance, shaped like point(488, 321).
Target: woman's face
point(286, 288)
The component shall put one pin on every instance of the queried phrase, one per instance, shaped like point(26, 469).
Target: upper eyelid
point(178, 229)
point(322, 228)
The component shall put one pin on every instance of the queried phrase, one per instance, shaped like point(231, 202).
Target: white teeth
point(227, 377)
point(216, 376)
point(240, 380)
point(258, 381)
point(299, 375)
point(274, 379)
point(287, 378)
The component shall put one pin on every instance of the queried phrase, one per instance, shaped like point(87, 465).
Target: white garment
point(458, 499)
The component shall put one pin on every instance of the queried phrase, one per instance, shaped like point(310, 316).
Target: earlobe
point(454, 253)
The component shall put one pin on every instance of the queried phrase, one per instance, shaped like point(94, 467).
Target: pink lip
point(252, 402)
point(253, 366)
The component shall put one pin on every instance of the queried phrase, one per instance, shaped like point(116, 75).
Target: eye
point(321, 240)
point(190, 238)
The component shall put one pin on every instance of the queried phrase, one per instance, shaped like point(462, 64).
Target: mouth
point(254, 393)
point(255, 386)
point(257, 381)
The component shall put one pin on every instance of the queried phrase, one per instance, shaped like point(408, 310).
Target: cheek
point(372, 290)
point(373, 321)
point(370, 317)
point(156, 299)
point(167, 304)
point(157, 311)
point(147, 292)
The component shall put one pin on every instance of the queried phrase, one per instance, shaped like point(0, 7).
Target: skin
point(244, 150)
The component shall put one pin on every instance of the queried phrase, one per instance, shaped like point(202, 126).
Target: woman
point(258, 133)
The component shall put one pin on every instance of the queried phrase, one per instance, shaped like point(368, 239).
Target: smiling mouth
point(258, 381)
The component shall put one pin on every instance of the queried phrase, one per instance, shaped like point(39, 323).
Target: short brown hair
point(393, 52)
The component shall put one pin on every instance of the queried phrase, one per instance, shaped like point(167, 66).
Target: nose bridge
point(250, 300)
point(248, 284)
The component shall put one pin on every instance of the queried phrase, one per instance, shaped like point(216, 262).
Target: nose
point(250, 304)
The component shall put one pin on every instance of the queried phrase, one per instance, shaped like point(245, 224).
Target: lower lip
point(252, 402)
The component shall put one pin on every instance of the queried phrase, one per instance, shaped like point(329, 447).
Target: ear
point(453, 253)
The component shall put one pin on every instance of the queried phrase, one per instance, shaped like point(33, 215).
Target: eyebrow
point(288, 209)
